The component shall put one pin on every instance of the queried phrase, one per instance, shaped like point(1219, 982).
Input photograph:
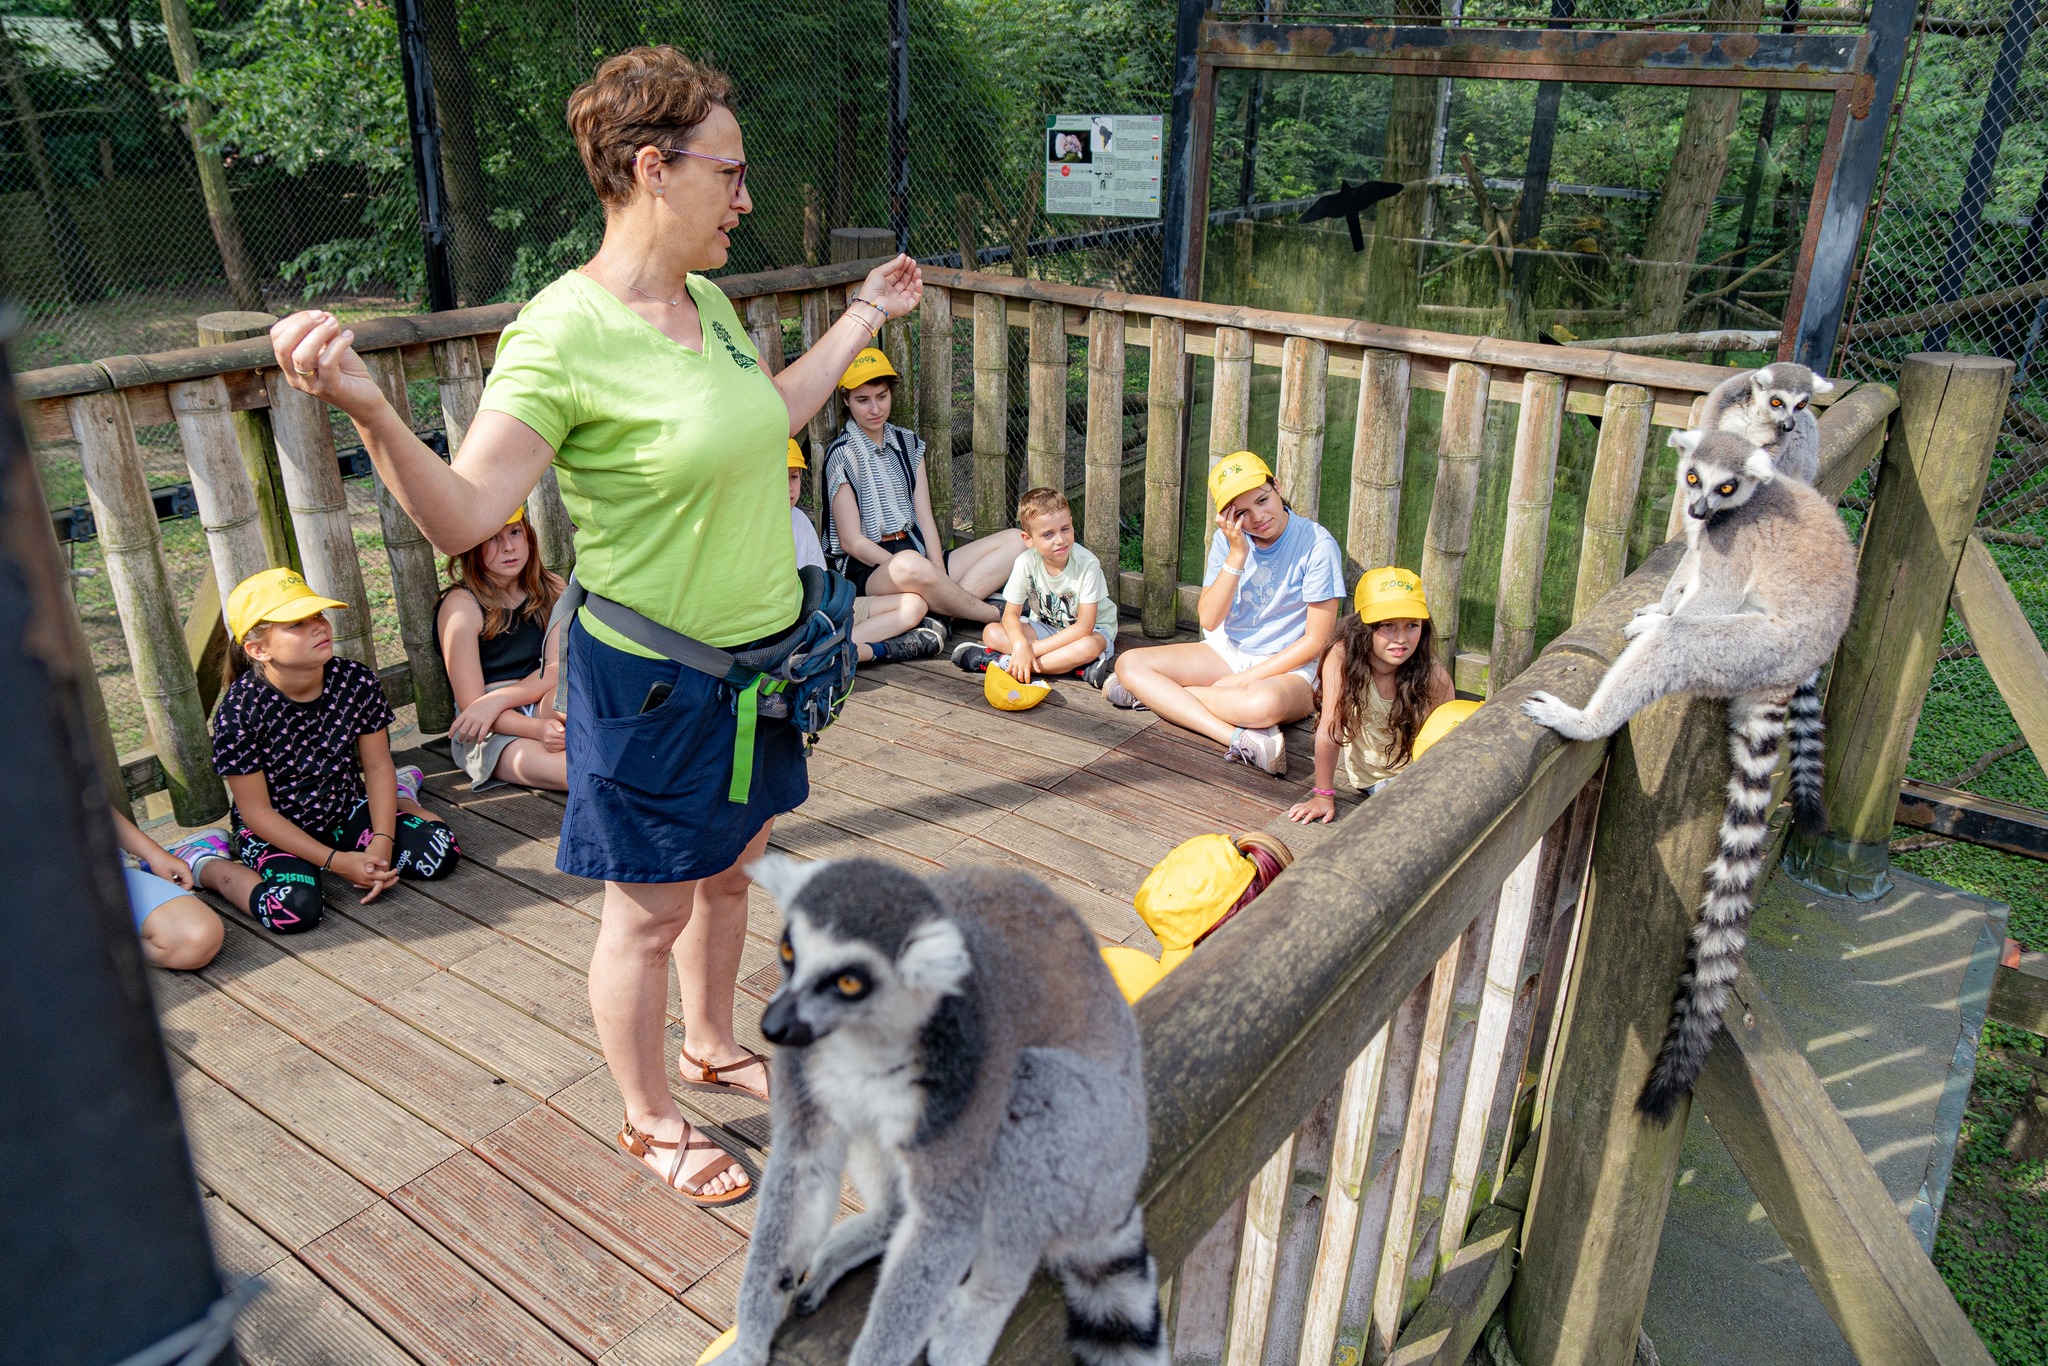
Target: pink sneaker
point(409, 780)
point(201, 847)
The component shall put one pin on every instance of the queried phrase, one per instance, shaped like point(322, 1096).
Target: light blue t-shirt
point(1270, 611)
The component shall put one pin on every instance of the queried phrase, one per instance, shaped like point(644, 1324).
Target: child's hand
point(1231, 524)
point(169, 867)
point(1023, 661)
point(1315, 807)
point(474, 722)
point(365, 872)
point(553, 736)
point(1237, 680)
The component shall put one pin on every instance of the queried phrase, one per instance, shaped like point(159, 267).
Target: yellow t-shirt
point(671, 461)
point(1364, 760)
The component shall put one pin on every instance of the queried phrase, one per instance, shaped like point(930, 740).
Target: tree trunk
point(213, 176)
point(1393, 261)
point(1697, 166)
point(478, 247)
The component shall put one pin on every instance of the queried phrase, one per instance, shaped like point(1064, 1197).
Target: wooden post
point(1105, 449)
point(319, 508)
point(1528, 528)
point(2005, 641)
point(815, 311)
point(991, 414)
point(415, 586)
point(258, 445)
point(1251, 1297)
point(459, 371)
point(895, 344)
point(1603, 1174)
point(1378, 452)
point(220, 481)
point(1165, 450)
point(1230, 404)
point(1611, 497)
point(935, 406)
point(1298, 461)
point(1045, 447)
point(764, 329)
point(1449, 536)
point(1928, 489)
point(141, 584)
point(553, 534)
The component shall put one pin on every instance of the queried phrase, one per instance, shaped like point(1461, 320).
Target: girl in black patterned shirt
point(301, 737)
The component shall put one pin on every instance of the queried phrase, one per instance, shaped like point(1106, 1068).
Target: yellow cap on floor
point(1005, 693)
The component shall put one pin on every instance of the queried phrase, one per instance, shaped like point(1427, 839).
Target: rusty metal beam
point(1753, 61)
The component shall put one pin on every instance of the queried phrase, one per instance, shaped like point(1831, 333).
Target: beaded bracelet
point(1324, 791)
point(871, 304)
point(330, 858)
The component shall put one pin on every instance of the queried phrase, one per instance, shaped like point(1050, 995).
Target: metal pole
point(899, 122)
point(1183, 200)
point(103, 1250)
point(1810, 339)
point(2005, 84)
point(424, 121)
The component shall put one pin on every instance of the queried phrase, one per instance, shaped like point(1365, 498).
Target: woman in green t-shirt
point(633, 377)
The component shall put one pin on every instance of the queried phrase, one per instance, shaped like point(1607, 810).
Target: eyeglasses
point(739, 182)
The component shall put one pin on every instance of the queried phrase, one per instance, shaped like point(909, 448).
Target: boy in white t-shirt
point(1058, 614)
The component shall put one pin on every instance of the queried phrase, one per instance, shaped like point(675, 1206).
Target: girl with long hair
point(1380, 682)
point(491, 629)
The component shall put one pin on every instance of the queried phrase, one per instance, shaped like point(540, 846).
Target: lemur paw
point(811, 1295)
point(1553, 712)
point(1642, 623)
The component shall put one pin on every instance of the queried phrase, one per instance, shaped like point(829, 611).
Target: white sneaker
point(1119, 696)
point(1261, 747)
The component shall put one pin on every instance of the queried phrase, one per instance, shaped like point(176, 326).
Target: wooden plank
point(991, 416)
point(673, 1337)
point(1967, 816)
point(1459, 442)
point(1001, 761)
point(1300, 1230)
point(1208, 784)
point(300, 1321)
point(1045, 445)
point(1304, 415)
point(1835, 1215)
point(1611, 495)
point(1111, 917)
point(421, 1294)
point(1251, 1296)
point(588, 1297)
point(1116, 786)
point(934, 407)
point(976, 718)
point(367, 1136)
point(910, 799)
point(1445, 1327)
point(1357, 1120)
point(1530, 487)
point(240, 1249)
point(715, 1296)
point(1201, 1299)
point(281, 1185)
point(1165, 457)
point(1104, 451)
point(2005, 640)
point(538, 987)
point(494, 1035)
point(2019, 990)
point(1379, 453)
point(1073, 712)
point(211, 1030)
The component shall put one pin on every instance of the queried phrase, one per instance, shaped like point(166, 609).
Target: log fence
point(1391, 1096)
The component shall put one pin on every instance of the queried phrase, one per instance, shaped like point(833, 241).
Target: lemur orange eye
point(850, 985)
point(1692, 479)
point(1725, 490)
point(1800, 406)
point(1777, 402)
point(788, 953)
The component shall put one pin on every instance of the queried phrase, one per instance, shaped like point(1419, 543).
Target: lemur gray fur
point(1754, 609)
point(1772, 408)
point(959, 1046)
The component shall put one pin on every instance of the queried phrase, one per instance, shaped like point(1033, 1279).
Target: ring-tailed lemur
point(1754, 609)
point(1772, 408)
point(958, 1045)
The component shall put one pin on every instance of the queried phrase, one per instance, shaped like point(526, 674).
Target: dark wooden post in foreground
point(1928, 489)
point(1604, 1174)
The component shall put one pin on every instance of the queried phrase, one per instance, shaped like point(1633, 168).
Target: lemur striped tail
point(1803, 750)
point(1112, 1290)
point(1756, 730)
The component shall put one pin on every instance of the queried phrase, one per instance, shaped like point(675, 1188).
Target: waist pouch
point(802, 677)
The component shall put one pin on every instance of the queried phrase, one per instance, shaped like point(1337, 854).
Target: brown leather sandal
point(687, 1184)
point(707, 1077)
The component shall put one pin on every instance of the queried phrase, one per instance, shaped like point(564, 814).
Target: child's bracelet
point(1234, 573)
point(1324, 791)
point(872, 304)
point(380, 835)
point(330, 858)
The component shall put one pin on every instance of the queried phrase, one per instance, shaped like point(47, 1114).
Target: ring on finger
point(305, 374)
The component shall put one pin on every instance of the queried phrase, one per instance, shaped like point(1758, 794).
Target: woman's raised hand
point(896, 285)
point(314, 353)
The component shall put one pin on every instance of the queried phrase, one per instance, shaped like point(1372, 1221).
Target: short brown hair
point(644, 96)
point(1039, 503)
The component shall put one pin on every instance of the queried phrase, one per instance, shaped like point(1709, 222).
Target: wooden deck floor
point(402, 1120)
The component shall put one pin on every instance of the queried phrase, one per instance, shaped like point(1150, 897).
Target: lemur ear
point(1822, 385)
point(1759, 467)
point(783, 878)
point(934, 958)
point(1686, 442)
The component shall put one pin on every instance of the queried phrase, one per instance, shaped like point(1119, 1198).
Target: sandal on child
point(707, 1077)
point(688, 1184)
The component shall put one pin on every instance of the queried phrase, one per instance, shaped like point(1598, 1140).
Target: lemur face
point(1718, 472)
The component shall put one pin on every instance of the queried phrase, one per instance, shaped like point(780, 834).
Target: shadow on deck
point(403, 1122)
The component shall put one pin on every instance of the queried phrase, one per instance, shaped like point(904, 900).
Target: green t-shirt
point(671, 461)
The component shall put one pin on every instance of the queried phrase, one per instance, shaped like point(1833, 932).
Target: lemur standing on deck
point(959, 1046)
point(1756, 606)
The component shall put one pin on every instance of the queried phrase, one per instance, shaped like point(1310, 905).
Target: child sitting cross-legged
point(1058, 614)
point(1381, 681)
point(491, 630)
point(302, 738)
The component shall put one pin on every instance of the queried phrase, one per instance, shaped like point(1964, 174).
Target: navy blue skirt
point(649, 790)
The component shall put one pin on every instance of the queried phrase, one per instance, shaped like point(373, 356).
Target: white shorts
point(1237, 661)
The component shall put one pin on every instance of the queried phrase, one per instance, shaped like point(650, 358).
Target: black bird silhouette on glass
point(1348, 201)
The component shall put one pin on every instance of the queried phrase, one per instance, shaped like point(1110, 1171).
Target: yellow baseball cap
point(796, 456)
point(518, 515)
point(1234, 475)
point(719, 1344)
point(1191, 889)
point(1005, 693)
point(870, 364)
point(273, 595)
point(1441, 722)
point(1388, 594)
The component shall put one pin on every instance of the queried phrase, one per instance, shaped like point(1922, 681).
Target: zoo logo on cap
point(1237, 474)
